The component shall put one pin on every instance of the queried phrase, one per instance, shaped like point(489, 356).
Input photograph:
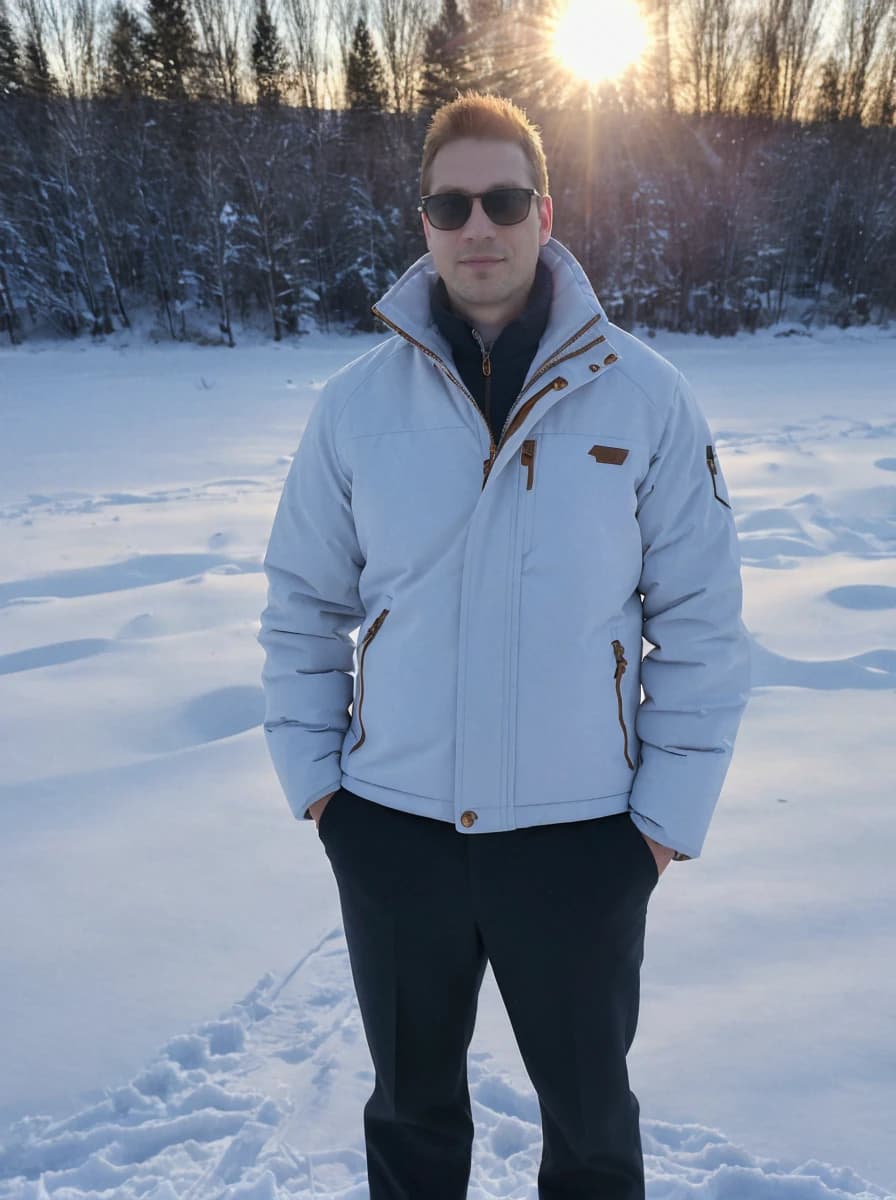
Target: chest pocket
point(579, 496)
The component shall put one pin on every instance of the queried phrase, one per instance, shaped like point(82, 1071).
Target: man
point(504, 497)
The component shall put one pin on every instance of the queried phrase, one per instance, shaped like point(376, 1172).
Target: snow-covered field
point(176, 999)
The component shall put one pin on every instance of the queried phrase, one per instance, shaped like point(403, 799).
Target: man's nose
point(478, 224)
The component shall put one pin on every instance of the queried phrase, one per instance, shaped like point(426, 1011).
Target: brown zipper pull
point(486, 354)
point(713, 470)
point(621, 664)
point(619, 653)
point(374, 628)
point(527, 459)
point(487, 463)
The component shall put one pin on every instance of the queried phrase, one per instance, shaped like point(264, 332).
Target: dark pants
point(559, 911)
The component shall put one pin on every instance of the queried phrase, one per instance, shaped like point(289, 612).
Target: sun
point(599, 39)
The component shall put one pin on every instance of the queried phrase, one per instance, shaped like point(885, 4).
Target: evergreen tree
point(365, 80)
point(37, 78)
point(10, 75)
point(829, 98)
point(446, 68)
point(123, 68)
point(169, 49)
point(364, 249)
point(268, 57)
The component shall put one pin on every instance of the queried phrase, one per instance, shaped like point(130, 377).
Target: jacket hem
point(489, 820)
point(421, 806)
point(555, 812)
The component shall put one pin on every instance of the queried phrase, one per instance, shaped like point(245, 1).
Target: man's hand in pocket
point(661, 853)
point(318, 807)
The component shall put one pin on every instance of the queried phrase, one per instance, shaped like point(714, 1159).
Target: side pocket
point(371, 633)
point(621, 664)
point(645, 849)
point(323, 819)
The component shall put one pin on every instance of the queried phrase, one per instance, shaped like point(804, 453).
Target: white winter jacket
point(502, 593)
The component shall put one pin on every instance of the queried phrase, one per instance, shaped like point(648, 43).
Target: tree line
point(222, 163)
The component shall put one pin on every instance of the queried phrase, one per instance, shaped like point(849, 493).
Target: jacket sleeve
point(696, 676)
point(313, 563)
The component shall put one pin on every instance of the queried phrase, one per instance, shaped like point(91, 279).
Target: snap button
point(611, 358)
point(467, 818)
point(594, 366)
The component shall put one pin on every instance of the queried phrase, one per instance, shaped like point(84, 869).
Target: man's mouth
point(480, 262)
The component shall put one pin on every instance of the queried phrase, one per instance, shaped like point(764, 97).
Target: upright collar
point(406, 305)
point(524, 332)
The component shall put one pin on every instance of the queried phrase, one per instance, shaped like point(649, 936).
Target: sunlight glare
point(599, 39)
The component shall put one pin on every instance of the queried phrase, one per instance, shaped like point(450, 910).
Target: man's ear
point(545, 219)
point(425, 220)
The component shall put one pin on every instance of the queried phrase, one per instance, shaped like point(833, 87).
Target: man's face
point(488, 269)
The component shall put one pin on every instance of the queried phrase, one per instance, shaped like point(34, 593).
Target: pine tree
point(123, 67)
point(10, 74)
point(446, 67)
point(37, 78)
point(169, 49)
point(268, 57)
point(829, 97)
point(365, 80)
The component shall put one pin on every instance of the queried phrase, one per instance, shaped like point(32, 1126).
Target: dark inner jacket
point(495, 375)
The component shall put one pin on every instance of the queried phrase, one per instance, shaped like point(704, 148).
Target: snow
point(177, 1003)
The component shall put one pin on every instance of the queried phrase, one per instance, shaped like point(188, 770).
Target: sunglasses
point(502, 206)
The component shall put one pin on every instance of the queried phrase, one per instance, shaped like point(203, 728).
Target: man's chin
point(480, 295)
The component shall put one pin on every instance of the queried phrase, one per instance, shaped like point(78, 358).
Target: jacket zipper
point(621, 664)
point(442, 365)
point(368, 638)
point(487, 374)
point(554, 361)
point(527, 460)
point(713, 470)
point(554, 386)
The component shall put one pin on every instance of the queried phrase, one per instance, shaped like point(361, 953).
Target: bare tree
point(862, 25)
point(308, 53)
point(402, 25)
point(785, 36)
point(221, 26)
point(67, 29)
point(800, 42)
point(883, 98)
point(344, 16)
point(710, 37)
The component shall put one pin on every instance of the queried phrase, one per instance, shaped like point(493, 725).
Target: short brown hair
point(484, 116)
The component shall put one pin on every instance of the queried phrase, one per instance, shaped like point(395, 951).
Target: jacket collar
point(575, 309)
point(520, 335)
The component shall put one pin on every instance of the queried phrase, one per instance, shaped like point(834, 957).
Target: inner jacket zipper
point(621, 664)
point(368, 638)
point(713, 470)
point(487, 373)
point(513, 418)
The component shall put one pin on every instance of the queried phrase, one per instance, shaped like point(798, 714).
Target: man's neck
point(490, 322)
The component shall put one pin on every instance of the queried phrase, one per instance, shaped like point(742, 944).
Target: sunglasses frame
point(471, 196)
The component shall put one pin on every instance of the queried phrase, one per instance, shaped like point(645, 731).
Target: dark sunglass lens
point(507, 206)
point(449, 210)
